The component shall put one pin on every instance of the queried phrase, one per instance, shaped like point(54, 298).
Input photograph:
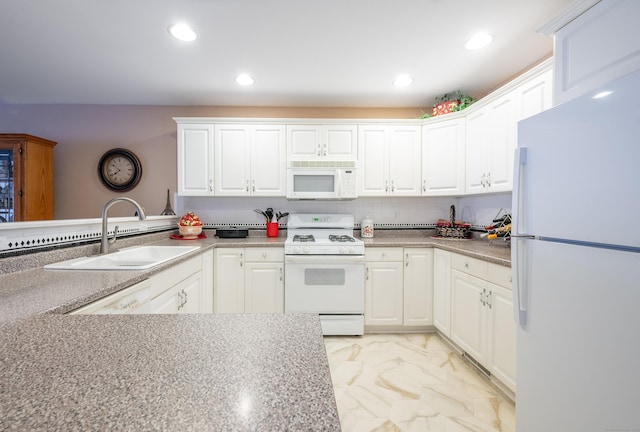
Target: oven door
point(324, 284)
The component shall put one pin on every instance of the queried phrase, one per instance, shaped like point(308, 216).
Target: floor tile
point(411, 382)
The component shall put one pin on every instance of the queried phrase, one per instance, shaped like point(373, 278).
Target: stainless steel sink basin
point(133, 258)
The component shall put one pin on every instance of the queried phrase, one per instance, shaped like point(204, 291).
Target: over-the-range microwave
point(321, 180)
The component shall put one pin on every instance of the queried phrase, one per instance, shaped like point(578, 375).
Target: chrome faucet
point(105, 242)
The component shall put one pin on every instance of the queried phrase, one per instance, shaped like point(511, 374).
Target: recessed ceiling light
point(403, 81)
point(602, 95)
point(478, 40)
point(182, 32)
point(244, 79)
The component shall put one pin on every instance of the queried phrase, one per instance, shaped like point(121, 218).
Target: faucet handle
point(115, 235)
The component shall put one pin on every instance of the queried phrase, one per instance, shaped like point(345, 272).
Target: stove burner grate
point(304, 238)
point(341, 238)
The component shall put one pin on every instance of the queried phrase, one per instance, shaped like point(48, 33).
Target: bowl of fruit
point(190, 226)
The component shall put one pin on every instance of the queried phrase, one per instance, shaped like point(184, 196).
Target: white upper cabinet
point(321, 142)
point(195, 159)
point(250, 160)
point(598, 46)
point(443, 158)
point(535, 95)
point(389, 160)
point(492, 130)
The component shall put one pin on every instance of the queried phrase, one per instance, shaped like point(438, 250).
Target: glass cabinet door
point(6, 186)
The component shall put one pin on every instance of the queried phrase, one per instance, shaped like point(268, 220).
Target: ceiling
point(329, 53)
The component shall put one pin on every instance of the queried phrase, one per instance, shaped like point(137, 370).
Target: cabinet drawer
point(383, 254)
point(499, 275)
point(264, 254)
point(472, 266)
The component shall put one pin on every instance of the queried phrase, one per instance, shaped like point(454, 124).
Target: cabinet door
point(339, 142)
point(166, 303)
point(232, 162)
point(476, 150)
point(195, 159)
point(303, 142)
point(595, 48)
point(268, 161)
point(442, 291)
point(418, 287)
point(502, 143)
point(502, 335)
point(468, 315)
point(535, 95)
point(443, 158)
point(228, 287)
point(405, 163)
point(264, 287)
point(383, 294)
point(192, 294)
point(373, 167)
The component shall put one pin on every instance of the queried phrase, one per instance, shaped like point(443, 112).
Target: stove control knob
point(306, 250)
point(296, 250)
point(343, 250)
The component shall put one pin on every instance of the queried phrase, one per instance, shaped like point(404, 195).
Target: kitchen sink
point(132, 258)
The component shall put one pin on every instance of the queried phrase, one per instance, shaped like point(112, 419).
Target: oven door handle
point(324, 259)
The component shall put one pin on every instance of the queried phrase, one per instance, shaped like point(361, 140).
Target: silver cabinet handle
point(386, 185)
point(246, 187)
point(253, 185)
point(482, 297)
point(241, 259)
point(406, 260)
point(367, 275)
point(489, 299)
point(489, 179)
point(424, 185)
point(482, 180)
point(393, 186)
point(210, 185)
point(180, 299)
point(280, 273)
point(186, 297)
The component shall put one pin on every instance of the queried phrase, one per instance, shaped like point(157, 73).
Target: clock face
point(120, 169)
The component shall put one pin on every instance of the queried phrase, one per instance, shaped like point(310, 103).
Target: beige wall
point(85, 132)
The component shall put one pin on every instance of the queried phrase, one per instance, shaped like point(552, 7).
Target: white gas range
point(324, 271)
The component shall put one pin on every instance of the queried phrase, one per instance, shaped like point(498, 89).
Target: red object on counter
point(272, 229)
point(179, 237)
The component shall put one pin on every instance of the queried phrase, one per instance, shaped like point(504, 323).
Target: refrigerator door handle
point(517, 249)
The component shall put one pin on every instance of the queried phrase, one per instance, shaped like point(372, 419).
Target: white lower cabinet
point(184, 297)
point(184, 288)
point(418, 287)
point(398, 288)
point(383, 296)
point(482, 322)
point(248, 280)
point(264, 280)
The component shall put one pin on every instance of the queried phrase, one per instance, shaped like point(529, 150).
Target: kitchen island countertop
point(166, 372)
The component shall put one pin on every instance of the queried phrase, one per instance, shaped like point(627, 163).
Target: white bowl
point(190, 231)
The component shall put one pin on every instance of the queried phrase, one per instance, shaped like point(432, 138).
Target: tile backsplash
point(385, 211)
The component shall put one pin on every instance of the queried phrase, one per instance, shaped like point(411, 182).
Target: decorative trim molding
point(571, 12)
point(21, 236)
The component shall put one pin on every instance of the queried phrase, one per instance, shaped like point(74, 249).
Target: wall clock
point(120, 169)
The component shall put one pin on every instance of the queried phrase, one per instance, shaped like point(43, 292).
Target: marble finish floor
point(411, 382)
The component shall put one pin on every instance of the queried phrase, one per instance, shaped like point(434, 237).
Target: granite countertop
point(31, 290)
point(201, 372)
point(164, 372)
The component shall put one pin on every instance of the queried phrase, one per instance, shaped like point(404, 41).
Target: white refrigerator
point(576, 264)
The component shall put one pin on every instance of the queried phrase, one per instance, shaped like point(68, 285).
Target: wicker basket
point(459, 231)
